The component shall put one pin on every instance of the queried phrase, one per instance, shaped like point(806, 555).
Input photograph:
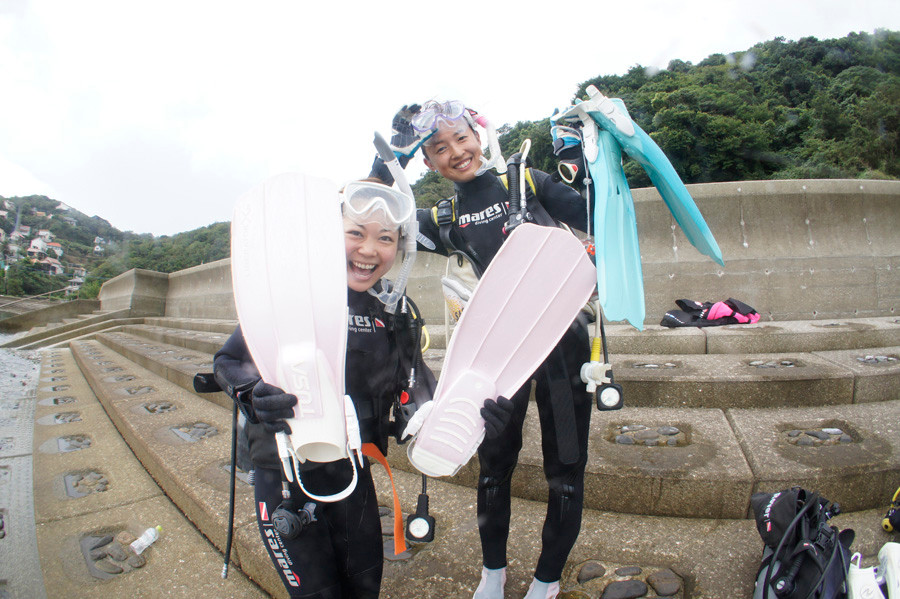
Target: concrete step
point(173, 363)
point(759, 380)
point(159, 422)
point(88, 484)
point(751, 380)
point(208, 342)
point(211, 325)
point(708, 473)
point(48, 335)
point(716, 554)
point(762, 337)
point(719, 459)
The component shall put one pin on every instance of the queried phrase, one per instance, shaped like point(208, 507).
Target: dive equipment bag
point(804, 557)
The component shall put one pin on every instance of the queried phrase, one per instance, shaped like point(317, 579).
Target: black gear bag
point(804, 557)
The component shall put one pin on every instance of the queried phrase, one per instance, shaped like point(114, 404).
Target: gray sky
point(158, 115)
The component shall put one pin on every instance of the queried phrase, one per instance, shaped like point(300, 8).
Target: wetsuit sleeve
point(561, 201)
point(429, 239)
point(236, 373)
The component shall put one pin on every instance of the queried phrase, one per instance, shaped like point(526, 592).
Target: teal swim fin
point(620, 281)
point(611, 115)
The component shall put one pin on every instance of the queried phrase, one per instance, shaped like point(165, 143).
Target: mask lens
point(367, 202)
point(428, 117)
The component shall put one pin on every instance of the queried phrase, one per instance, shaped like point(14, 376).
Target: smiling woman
point(374, 215)
point(316, 507)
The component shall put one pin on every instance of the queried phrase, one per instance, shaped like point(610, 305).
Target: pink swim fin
point(520, 309)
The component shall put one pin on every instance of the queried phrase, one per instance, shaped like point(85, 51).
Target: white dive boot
point(491, 585)
point(861, 583)
point(542, 590)
point(889, 556)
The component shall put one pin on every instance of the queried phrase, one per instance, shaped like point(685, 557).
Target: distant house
point(46, 235)
point(17, 236)
point(38, 249)
point(56, 248)
point(24, 230)
point(62, 206)
point(98, 250)
point(99, 241)
point(70, 220)
point(38, 213)
point(51, 265)
point(75, 284)
point(12, 253)
point(79, 272)
point(8, 205)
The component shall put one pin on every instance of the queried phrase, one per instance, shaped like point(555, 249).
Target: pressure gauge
point(609, 396)
point(420, 526)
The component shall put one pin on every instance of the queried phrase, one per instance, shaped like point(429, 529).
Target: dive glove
point(404, 142)
point(497, 415)
point(404, 139)
point(273, 406)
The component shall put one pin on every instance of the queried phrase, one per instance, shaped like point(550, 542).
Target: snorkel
point(408, 230)
point(496, 158)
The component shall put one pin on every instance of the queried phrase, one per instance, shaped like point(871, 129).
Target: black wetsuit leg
point(340, 555)
point(498, 458)
point(565, 501)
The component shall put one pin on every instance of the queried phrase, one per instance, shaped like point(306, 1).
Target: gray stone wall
point(202, 292)
point(142, 291)
point(794, 250)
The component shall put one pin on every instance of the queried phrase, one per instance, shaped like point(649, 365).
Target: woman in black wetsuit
point(334, 550)
point(452, 147)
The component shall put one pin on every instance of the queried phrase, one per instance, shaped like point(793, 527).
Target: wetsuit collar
point(479, 183)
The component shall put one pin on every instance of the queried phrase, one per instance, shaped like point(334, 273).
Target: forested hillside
point(781, 109)
point(91, 243)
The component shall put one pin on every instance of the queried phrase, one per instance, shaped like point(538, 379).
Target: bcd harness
point(561, 400)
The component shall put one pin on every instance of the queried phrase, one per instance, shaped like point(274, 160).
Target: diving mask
point(367, 202)
point(432, 113)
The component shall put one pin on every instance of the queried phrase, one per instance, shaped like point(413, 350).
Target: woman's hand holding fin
point(273, 406)
point(497, 415)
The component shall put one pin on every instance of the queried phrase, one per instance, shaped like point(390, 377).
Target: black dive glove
point(497, 415)
point(404, 141)
point(381, 171)
point(403, 135)
point(272, 406)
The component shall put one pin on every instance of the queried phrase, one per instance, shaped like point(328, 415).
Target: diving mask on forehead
point(434, 113)
point(367, 202)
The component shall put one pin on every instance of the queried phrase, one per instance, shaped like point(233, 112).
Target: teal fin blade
point(648, 154)
point(620, 281)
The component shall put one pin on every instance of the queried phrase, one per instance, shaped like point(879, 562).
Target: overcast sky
point(157, 115)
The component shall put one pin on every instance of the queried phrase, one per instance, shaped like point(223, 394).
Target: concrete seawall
point(743, 408)
point(794, 250)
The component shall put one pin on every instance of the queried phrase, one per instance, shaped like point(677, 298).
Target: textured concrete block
point(803, 335)
point(876, 371)
point(860, 473)
point(724, 380)
point(706, 477)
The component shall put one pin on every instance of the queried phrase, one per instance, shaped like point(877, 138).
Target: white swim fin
point(524, 303)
